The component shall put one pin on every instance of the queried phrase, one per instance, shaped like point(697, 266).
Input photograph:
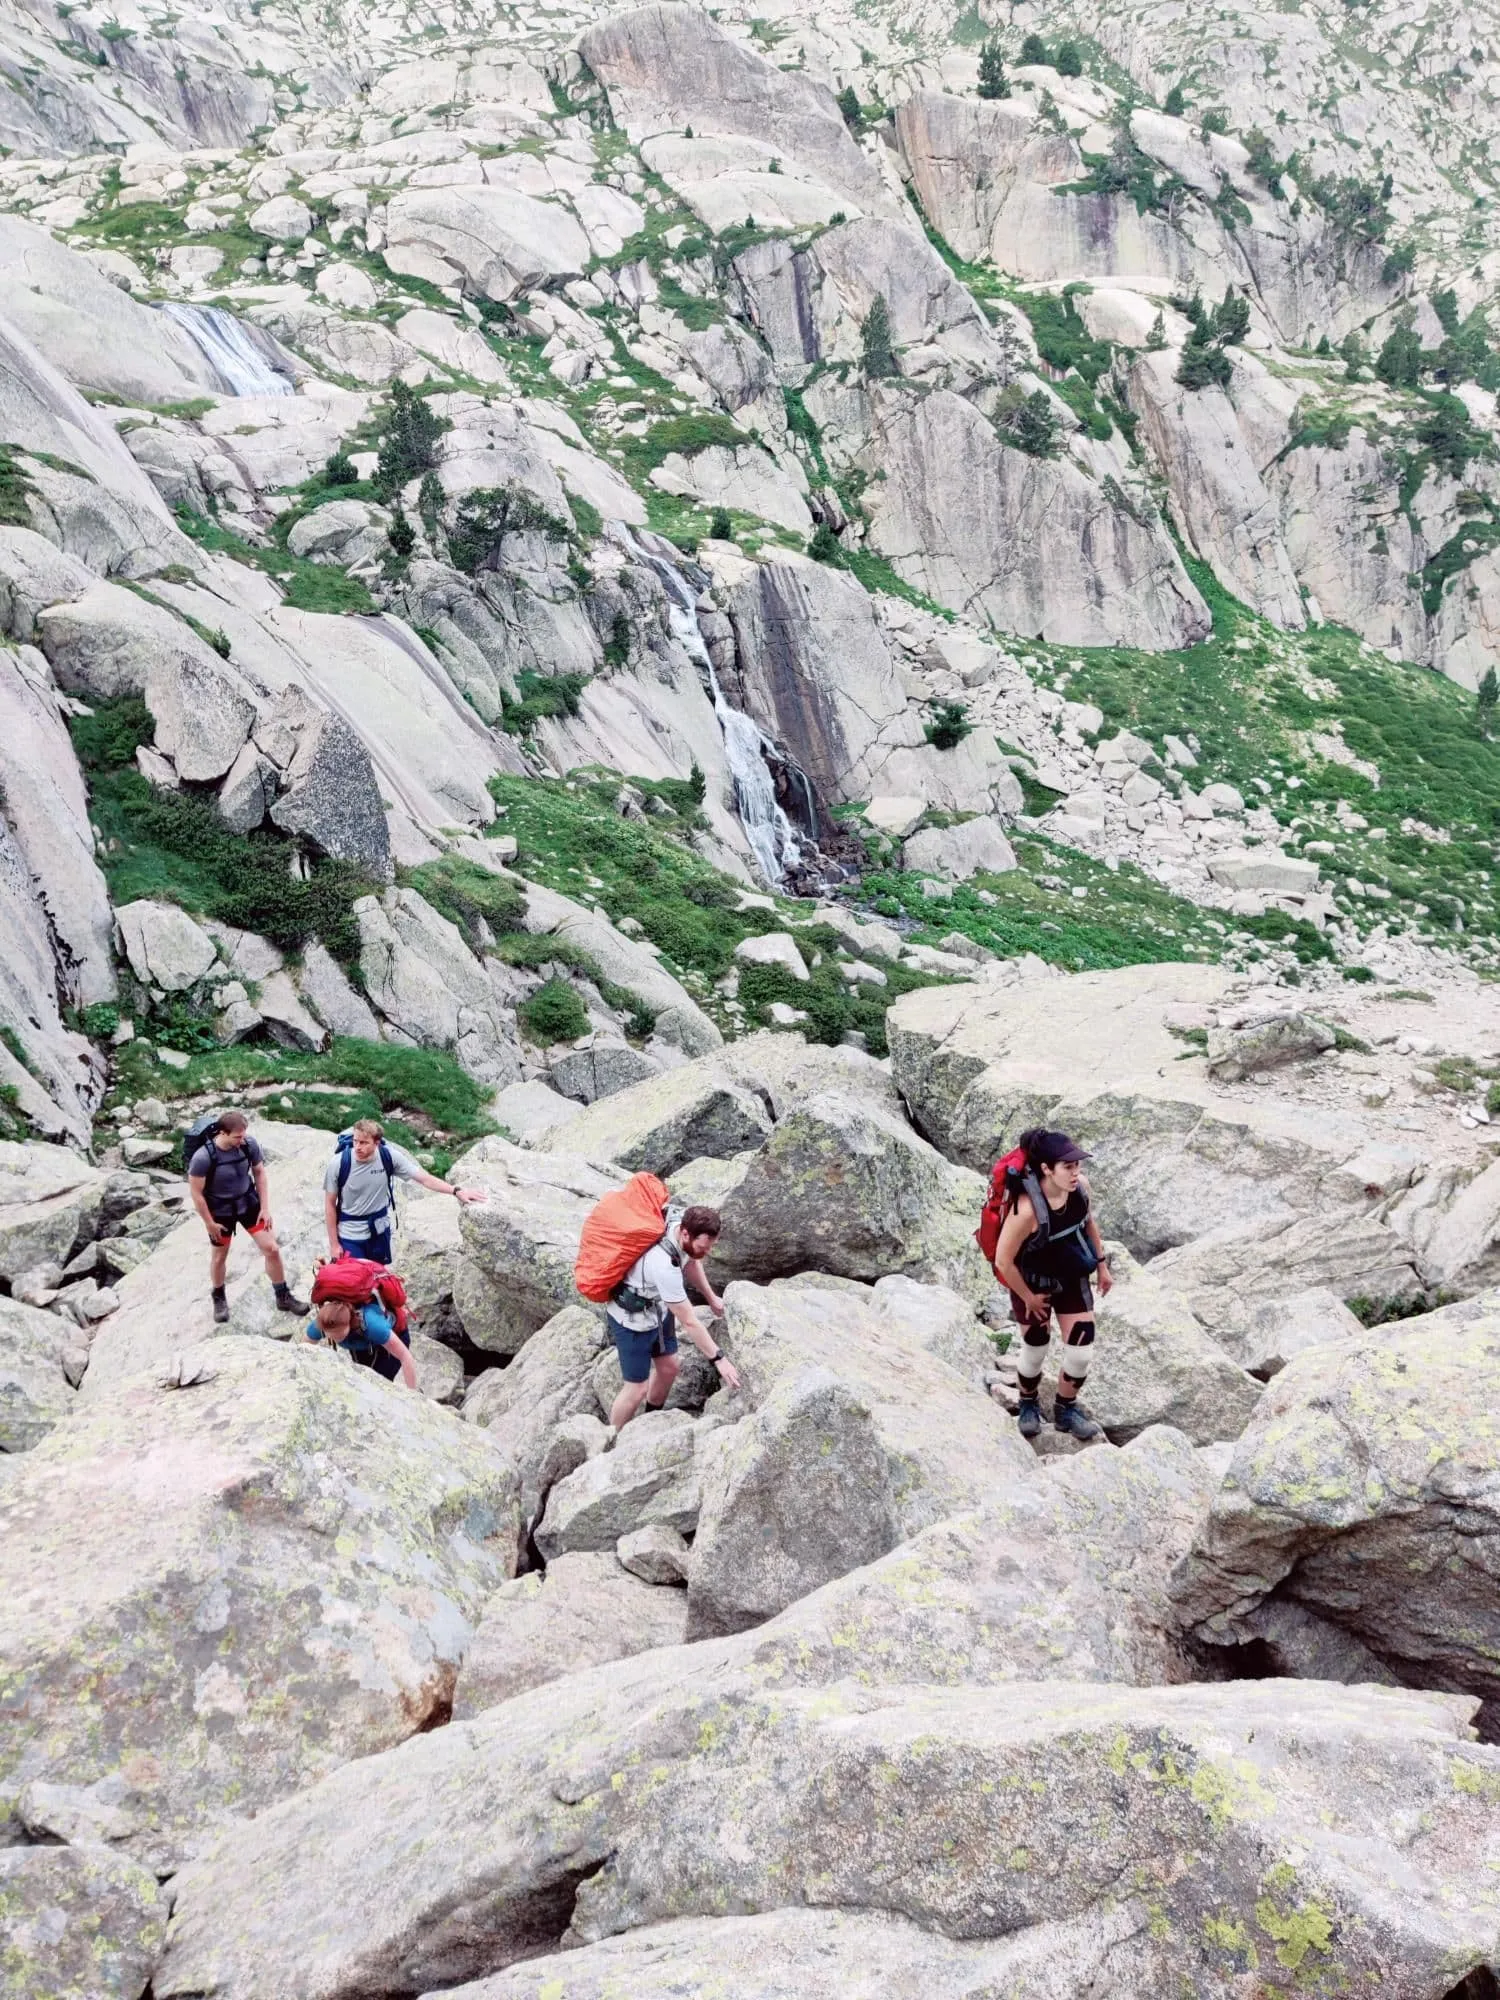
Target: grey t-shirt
point(366, 1192)
point(234, 1171)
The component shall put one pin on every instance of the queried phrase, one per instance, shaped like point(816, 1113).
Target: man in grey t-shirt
point(359, 1191)
point(227, 1183)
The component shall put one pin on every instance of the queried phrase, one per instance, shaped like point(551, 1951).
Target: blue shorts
point(376, 1246)
point(638, 1347)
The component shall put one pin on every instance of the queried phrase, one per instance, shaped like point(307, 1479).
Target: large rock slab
point(420, 973)
point(583, 1610)
point(794, 1495)
point(657, 1126)
point(219, 1592)
point(649, 1477)
point(625, 961)
point(549, 1381)
point(163, 945)
point(50, 1199)
point(670, 66)
point(1173, 1156)
point(847, 1187)
point(111, 642)
point(46, 806)
point(1031, 544)
point(1366, 1489)
point(1244, 1281)
point(813, 668)
point(35, 1395)
point(520, 1244)
point(493, 241)
point(78, 1923)
point(1154, 1364)
point(829, 1955)
point(1357, 1822)
point(944, 1439)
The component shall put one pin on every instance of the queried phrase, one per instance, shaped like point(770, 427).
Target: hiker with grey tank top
point(227, 1183)
point(359, 1191)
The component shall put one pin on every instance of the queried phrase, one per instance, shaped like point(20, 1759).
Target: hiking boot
point(288, 1302)
point(221, 1309)
point(1073, 1418)
point(1029, 1417)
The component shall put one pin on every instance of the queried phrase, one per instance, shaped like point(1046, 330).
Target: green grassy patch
point(554, 1013)
point(174, 845)
point(422, 1096)
point(1254, 697)
point(1119, 919)
point(572, 839)
point(308, 586)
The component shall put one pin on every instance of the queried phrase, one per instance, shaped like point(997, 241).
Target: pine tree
point(1486, 700)
point(992, 77)
point(1068, 59)
point(1033, 50)
point(877, 353)
point(1175, 103)
point(1156, 339)
point(848, 104)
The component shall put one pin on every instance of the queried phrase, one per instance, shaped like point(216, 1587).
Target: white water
point(772, 837)
point(239, 363)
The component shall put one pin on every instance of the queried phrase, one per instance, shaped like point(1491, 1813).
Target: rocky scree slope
point(490, 509)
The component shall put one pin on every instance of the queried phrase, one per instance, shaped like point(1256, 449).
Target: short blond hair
point(369, 1128)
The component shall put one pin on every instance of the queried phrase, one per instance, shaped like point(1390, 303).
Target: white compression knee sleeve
point(1078, 1350)
point(1031, 1354)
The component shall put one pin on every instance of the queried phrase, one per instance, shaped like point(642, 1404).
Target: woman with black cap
point(1048, 1252)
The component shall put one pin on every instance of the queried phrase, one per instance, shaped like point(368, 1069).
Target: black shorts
point(1072, 1294)
point(246, 1217)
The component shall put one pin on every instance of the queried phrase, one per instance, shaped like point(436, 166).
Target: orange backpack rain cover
point(621, 1228)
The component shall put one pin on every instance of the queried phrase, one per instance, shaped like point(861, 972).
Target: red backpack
point(359, 1282)
point(1005, 1184)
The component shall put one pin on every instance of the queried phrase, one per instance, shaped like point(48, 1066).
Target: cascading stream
point(772, 837)
point(230, 350)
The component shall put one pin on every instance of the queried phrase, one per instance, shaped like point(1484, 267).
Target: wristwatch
point(717, 1356)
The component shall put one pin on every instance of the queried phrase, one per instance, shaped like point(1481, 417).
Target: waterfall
point(772, 837)
point(230, 349)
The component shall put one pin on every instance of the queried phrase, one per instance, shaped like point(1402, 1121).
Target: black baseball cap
point(1056, 1149)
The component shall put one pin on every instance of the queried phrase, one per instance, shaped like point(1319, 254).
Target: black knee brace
point(1079, 1342)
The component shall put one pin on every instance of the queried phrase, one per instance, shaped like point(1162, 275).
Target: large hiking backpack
point(198, 1135)
point(358, 1282)
point(346, 1166)
point(618, 1231)
point(1007, 1179)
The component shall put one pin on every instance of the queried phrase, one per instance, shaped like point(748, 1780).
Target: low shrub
point(554, 1013)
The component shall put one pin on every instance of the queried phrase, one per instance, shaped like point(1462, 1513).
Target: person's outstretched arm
point(705, 1343)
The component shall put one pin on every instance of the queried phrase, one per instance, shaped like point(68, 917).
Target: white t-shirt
point(655, 1276)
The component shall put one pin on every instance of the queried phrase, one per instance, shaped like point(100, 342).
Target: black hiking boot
point(1029, 1417)
point(1072, 1417)
point(221, 1308)
point(288, 1302)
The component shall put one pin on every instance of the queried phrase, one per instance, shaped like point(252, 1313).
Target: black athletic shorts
point(245, 1216)
point(1072, 1294)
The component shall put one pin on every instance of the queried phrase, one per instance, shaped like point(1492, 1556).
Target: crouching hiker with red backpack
point(637, 1261)
point(361, 1307)
point(1039, 1232)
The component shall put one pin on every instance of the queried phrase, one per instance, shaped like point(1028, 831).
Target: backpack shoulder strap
point(346, 1165)
point(390, 1173)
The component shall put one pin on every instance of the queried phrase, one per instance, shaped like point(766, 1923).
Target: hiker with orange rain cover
point(636, 1260)
point(1039, 1233)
